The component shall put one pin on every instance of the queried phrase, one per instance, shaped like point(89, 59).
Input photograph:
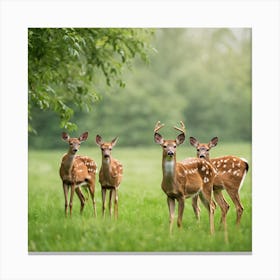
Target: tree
point(200, 76)
point(66, 66)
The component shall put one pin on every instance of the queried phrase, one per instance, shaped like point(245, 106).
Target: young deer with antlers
point(184, 179)
point(231, 174)
point(76, 171)
point(110, 174)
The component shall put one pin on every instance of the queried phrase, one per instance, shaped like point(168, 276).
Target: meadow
point(142, 226)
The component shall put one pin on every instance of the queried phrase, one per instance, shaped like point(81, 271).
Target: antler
point(182, 129)
point(158, 126)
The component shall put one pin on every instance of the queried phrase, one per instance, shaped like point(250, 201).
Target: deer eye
point(164, 146)
point(110, 149)
point(174, 146)
point(207, 150)
point(198, 150)
point(102, 149)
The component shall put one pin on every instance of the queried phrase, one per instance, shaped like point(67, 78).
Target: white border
point(17, 16)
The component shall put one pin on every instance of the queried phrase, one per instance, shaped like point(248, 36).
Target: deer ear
point(194, 142)
point(98, 140)
point(213, 142)
point(65, 136)
point(180, 138)
point(158, 138)
point(83, 137)
point(114, 141)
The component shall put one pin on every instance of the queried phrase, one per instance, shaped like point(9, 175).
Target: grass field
point(143, 215)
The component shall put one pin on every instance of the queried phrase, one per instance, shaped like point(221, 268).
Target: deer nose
point(75, 150)
point(202, 156)
point(170, 153)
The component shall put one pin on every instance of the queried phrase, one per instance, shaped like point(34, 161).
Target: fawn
point(230, 177)
point(110, 174)
point(76, 171)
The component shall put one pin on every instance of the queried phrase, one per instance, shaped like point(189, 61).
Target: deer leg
point(103, 201)
point(91, 190)
point(171, 207)
point(224, 209)
point(71, 198)
point(196, 207)
point(116, 199)
point(82, 199)
point(114, 196)
point(207, 201)
point(181, 206)
point(234, 195)
point(110, 202)
point(223, 205)
point(65, 190)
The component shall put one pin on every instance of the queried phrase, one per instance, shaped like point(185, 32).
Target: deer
point(110, 175)
point(230, 177)
point(76, 171)
point(184, 179)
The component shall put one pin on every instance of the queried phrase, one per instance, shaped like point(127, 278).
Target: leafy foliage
point(200, 76)
point(65, 66)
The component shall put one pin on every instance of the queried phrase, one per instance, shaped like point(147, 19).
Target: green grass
point(143, 215)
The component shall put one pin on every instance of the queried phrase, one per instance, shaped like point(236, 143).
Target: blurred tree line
point(200, 76)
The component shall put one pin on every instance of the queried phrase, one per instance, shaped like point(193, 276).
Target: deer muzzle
point(74, 150)
point(170, 153)
point(106, 154)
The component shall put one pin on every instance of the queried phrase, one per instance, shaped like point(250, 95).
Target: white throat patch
point(169, 166)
